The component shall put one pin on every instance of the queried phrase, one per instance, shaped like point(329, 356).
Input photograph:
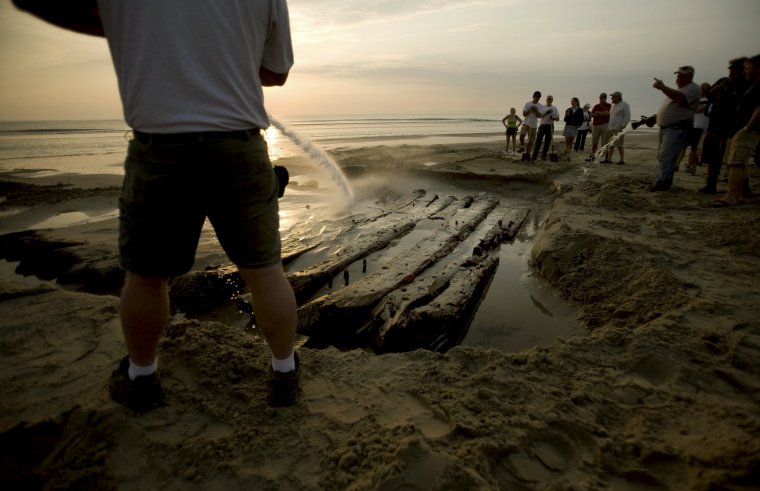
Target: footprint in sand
point(654, 370)
point(548, 456)
point(399, 408)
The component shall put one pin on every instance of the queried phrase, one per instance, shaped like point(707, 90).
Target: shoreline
point(662, 390)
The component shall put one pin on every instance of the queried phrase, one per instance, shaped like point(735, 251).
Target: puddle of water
point(520, 311)
point(8, 274)
point(68, 219)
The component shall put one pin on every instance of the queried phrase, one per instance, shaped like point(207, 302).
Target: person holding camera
point(531, 112)
point(549, 114)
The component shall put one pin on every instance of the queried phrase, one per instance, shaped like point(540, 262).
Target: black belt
point(194, 137)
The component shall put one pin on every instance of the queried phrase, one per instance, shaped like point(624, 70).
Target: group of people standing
point(538, 126)
point(733, 129)
point(730, 109)
point(732, 105)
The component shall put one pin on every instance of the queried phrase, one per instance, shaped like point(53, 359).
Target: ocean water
point(519, 310)
point(96, 147)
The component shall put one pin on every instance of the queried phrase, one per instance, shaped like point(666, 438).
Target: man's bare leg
point(144, 313)
point(274, 305)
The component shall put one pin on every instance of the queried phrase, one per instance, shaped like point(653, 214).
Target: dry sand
point(662, 392)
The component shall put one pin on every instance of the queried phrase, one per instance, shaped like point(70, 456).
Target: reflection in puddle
point(519, 310)
point(70, 218)
point(8, 275)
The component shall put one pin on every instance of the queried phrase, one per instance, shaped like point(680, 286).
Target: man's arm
point(75, 15)
point(600, 113)
point(270, 78)
point(674, 94)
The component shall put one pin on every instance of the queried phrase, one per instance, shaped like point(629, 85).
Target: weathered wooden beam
point(504, 230)
point(302, 238)
point(346, 309)
point(440, 322)
point(357, 244)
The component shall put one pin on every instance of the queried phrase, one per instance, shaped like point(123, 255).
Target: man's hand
point(658, 84)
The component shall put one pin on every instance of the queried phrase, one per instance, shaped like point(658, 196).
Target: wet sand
point(661, 391)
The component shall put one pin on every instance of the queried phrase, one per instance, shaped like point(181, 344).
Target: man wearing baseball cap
point(675, 119)
point(620, 116)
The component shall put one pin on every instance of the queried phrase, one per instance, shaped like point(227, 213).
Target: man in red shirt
point(600, 115)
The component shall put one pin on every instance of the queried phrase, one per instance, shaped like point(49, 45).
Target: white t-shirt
point(531, 120)
point(551, 117)
point(188, 66)
point(620, 116)
point(700, 120)
point(586, 119)
point(671, 112)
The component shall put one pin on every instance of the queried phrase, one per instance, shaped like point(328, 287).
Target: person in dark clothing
point(745, 138)
point(573, 120)
point(580, 142)
point(723, 99)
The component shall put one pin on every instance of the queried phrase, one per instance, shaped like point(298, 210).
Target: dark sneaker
point(283, 386)
point(141, 394)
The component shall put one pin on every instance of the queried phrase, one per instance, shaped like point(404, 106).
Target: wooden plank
point(504, 230)
point(347, 308)
point(440, 322)
point(357, 243)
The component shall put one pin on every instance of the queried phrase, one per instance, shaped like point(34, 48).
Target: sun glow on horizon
point(430, 56)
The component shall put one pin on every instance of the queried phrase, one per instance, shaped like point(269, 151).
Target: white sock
point(138, 371)
point(286, 365)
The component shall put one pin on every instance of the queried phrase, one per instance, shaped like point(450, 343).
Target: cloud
point(328, 14)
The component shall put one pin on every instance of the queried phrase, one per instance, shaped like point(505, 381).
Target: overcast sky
point(474, 57)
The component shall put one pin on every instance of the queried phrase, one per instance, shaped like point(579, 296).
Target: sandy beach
point(660, 392)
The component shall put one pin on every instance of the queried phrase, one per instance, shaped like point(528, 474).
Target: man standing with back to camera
point(190, 78)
